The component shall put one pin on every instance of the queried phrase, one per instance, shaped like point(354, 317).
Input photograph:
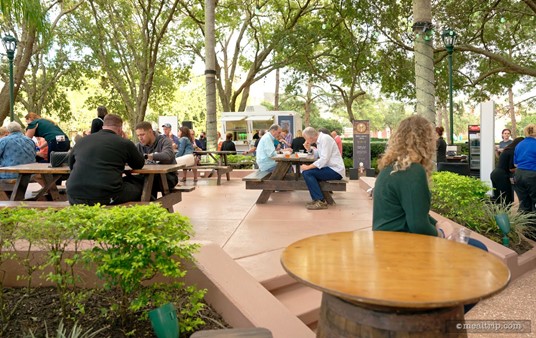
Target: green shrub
point(131, 246)
point(459, 198)
point(377, 149)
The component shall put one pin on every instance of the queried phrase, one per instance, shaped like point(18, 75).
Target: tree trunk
point(308, 101)
point(210, 74)
point(512, 112)
point(424, 59)
point(276, 95)
point(20, 64)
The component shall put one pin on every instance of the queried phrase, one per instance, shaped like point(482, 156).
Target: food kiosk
point(245, 124)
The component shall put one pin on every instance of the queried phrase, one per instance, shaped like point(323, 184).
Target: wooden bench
point(257, 176)
point(164, 200)
point(219, 169)
point(260, 180)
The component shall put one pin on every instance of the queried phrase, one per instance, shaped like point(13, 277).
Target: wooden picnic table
point(51, 174)
point(284, 179)
point(392, 283)
point(220, 157)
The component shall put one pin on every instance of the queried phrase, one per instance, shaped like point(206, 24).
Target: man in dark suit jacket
point(97, 163)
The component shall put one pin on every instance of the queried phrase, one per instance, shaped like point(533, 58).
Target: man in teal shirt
point(266, 149)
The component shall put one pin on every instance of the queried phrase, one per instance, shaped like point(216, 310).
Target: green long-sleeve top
point(402, 201)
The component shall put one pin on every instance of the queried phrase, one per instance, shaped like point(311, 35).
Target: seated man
point(15, 149)
point(97, 163)
point(328, 165)
point(157, 149)
point(266, 149)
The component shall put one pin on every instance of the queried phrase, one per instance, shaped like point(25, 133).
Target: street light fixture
point(449, 40)
point(10, 44)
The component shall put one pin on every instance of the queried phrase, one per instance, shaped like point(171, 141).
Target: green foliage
point(76, 332)
point(134, 245)
point(348, 148)
point(329, 124)
point(131, 246)
point(348, 162)
point(457, 198)
point(377, 149)
point(240, 161)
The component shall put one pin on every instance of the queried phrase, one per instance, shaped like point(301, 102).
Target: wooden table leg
point(226, 164)
point(147, 188)
point(279, 173)
point(19, 191)
point(50, 187)
point(340, 318)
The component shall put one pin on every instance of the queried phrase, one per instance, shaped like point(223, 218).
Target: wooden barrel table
point(389, 284)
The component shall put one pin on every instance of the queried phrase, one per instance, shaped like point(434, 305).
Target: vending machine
point(474, 149)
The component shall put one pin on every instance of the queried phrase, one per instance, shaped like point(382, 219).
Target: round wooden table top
point(395, 269)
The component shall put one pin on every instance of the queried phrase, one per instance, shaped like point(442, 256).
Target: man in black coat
point(97, 163)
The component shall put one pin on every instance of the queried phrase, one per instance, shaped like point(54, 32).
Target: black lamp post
point(449, 40)
point(10, 44)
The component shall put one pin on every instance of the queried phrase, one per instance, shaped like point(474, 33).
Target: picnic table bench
point(283, 180)
point(220, 167)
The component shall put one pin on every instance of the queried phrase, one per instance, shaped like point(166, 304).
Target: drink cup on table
point(461, 235)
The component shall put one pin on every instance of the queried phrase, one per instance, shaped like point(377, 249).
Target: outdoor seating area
point(287, 177)
point(239, 259)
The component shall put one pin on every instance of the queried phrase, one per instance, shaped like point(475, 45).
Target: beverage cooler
point(474, 149)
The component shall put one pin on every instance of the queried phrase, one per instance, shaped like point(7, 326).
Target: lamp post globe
point(10, 45)
point(449, 40)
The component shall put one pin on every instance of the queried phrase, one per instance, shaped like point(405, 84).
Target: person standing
point(97, 163)
point(502, 174)
point(266, 149)
point(15, 149)
point(441, 146)
point(525, 176)
point(97, 123)
point(56, 139)
point(328, 165)
point(337, 139)
point(402, 197)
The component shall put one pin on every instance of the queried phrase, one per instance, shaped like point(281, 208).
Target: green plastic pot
point(164, 321)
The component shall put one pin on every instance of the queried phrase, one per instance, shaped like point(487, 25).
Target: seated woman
point(186, 149)
point(228, 144)
point(401, 194)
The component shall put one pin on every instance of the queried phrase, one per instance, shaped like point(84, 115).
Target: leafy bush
point(464, 200)
point(132, 245)
point(377, 149)
point(240, 161)
point(459, 198)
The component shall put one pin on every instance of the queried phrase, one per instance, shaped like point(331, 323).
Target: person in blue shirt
point(266, 149)
point(15, 149)
point(525, 176)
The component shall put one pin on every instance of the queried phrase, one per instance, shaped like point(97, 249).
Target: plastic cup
point(461, 235)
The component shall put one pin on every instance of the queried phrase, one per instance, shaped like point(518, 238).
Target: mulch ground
point(40, 312)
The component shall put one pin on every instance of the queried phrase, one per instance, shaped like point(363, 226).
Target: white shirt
point(328, 155)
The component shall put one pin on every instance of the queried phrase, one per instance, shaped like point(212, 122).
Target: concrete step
point(302, 301)
point(267, 270)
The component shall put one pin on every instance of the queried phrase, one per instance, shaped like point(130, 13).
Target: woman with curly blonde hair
point(401, 193)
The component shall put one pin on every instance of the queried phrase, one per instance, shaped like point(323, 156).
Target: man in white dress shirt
point(327, 166)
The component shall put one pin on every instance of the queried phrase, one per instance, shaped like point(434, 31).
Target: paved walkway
point(250, 233)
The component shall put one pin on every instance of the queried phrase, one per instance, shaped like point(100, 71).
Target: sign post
point(361, 145)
